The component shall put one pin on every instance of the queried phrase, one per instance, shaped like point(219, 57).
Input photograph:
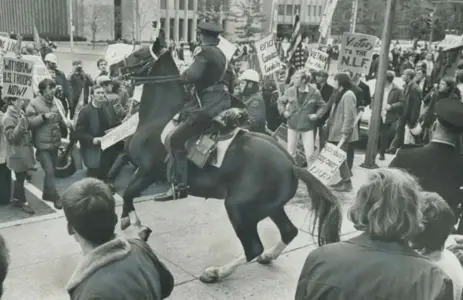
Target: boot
point(179, 188)
point(24, 206)
point(53, 197)
point(343, 186)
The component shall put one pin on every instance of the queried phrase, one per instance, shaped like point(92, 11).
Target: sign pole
point(373, 131)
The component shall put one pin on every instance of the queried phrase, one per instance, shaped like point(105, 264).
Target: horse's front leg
point(121, 161)
point(137, 184)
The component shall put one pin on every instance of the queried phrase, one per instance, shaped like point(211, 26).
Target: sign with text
point(137, 92)
point(17, 77)
point(267, 55)
point(327, 163)
point(120, 132)
point(327, 17)
point(451, 41)
point(356, 52)
point(7, 44)
point(39, 73)
point(317, 60)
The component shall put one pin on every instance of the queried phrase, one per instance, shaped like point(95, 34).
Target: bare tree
point(249, 14)
point(146, 16)
point(98, 19)
point(213, 10)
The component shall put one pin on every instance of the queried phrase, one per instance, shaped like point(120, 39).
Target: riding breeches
point(186, 130)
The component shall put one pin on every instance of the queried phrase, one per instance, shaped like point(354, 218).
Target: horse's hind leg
point(244, 222)
point(121, 160)
point(137, 184)
point(287, 231)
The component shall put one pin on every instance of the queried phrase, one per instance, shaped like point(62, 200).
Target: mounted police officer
point(251, 95)
point(207, 73)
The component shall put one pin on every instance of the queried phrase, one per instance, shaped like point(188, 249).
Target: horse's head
point(140, 61)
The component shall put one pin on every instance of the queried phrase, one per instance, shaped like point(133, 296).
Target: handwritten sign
point(451, 41)
point(137, 92)
point(17, 77)
point(327, 163)
point(267, 55)
point(120, 132)
point(39, 73)
point(356, 52)
point(7, 44)
point(317, 60)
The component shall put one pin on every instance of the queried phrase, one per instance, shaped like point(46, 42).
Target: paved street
point(188, 235)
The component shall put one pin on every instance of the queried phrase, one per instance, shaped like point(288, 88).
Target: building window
point(190, 4)
point(182, 4)
point(297, 9)
point(319, 10)
point(309, 10)
point(289, 10)
point(281, 10)
point(163, 4)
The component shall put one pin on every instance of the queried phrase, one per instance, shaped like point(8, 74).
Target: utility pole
point(137, 22)
point(373, 131)
point(71, 27)
point(431, 32)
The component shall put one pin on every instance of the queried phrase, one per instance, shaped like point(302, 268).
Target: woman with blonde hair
point(301, 105)
point(379, 263)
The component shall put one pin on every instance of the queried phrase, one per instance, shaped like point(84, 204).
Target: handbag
point(201, 152)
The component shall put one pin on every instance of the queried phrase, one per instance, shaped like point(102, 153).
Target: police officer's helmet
point(250, 75)
point(51, 58)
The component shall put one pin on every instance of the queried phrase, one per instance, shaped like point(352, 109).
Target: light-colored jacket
point(342, 118)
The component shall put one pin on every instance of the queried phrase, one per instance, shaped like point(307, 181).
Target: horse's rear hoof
point(145, 233)
point(125, 223)
point(209, 276)
point(264, 260)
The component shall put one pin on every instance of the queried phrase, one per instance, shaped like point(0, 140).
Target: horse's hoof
point(264, 259)
point(210, 275)
point(145, 233)
point(125, 223)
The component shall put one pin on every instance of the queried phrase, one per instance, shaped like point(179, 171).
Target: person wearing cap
point(438, 165)
point(63, 89)
point(251, 96)
point(80, 82)
point(208, 75)
point(107, 84)
point(411, 112)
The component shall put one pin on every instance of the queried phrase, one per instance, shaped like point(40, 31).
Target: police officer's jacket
point(257, 116)
point(207, 73)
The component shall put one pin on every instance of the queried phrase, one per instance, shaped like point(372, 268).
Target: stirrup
point(178, 190)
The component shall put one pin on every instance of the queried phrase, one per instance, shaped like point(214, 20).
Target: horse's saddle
point(210, 147)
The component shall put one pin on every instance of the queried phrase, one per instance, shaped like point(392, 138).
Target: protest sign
point(117, 52)
point(17, 77)
point(327, 163)
point(226, 47)
point(39, 73)
point(120, 132)
point(317, 60)
point(137, 92)
point(267, 55)
point(356, 52)
point(327, 17)
point(451, 41)
point(7, 44)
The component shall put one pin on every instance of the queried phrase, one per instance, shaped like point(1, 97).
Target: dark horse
point(256, 180)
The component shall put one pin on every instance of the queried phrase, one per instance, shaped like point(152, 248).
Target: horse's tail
point(326, 207)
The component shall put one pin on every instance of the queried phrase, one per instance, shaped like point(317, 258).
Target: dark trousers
point(5, 185)
point(176, 146)
point(398, 140)
point(385, 130)
point(107, 159)
point(18, 188)
point(345, 170)
point(47, 159)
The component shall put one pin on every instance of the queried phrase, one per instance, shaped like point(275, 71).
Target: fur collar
point(114, 250)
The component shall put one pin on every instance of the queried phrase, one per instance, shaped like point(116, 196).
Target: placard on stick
point(17, 77)
point(327, 163)
point(317, 60)
point(267, 55)
point(356, 52)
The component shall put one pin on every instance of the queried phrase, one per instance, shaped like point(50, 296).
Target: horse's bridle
point(147, 65)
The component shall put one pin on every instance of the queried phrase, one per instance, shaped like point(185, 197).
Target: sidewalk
point(188, 235)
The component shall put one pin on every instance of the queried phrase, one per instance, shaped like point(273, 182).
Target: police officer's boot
point(179, 187)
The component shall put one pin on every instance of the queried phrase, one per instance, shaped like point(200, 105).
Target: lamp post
point(373, 131)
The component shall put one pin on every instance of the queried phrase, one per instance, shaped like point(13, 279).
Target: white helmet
point(250, 75)
point(51, 57)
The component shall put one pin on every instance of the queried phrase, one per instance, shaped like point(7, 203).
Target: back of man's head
point(89, 208)
point(4, 263)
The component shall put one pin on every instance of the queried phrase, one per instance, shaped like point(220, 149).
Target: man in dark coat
point(80, 82)
point(326, 90)
point(438, 166)
point(207, 73)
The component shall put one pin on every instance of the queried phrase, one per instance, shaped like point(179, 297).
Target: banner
point(17, 78)
point(267, 55)
point(327, 17)
point(117, 52)
point(451, 41)
point(7, 44)
point(356, 52)
point(327, 163)
point(317, 60)
point(39, 73)
point(120, 132)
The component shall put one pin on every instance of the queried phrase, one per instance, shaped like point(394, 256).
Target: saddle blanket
point(223, 142)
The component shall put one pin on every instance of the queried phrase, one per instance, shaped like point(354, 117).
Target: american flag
point(296, 55)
